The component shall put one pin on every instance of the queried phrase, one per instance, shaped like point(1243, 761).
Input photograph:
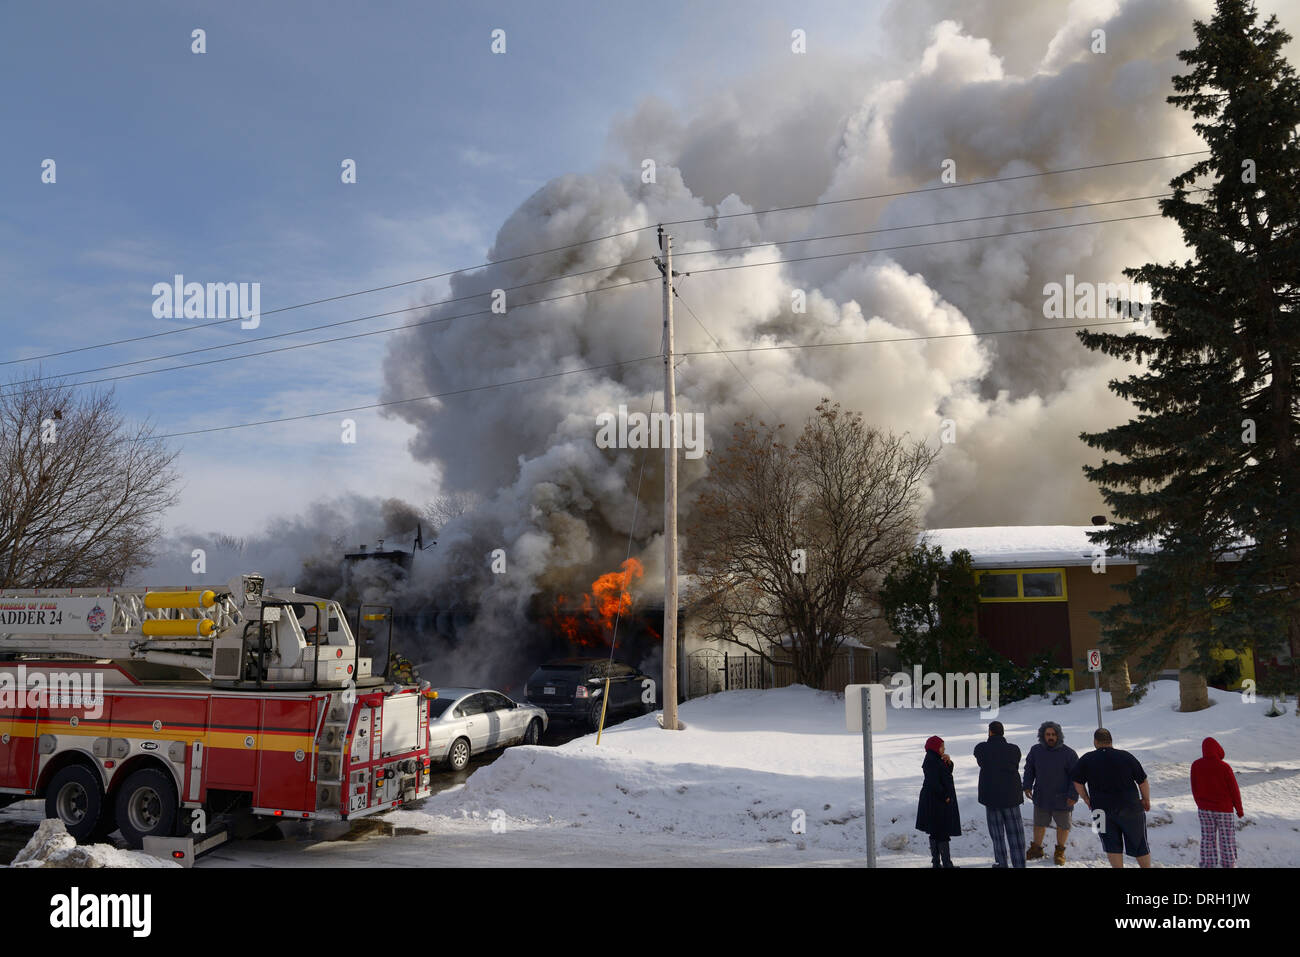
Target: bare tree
point(789, 545)
point(448, 506)
point(81, 490)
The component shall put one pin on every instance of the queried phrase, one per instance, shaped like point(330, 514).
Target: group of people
point(1110, 782)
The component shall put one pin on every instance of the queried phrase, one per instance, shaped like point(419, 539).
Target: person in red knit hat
point(936, 811)
point(1215, 791)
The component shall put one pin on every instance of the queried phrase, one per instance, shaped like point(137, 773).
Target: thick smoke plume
point(997, 87)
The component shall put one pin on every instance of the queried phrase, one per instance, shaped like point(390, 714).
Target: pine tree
point(1205, 483)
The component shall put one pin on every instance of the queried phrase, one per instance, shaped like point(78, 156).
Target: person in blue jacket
point(1049, 783)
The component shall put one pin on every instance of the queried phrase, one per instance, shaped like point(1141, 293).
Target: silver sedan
point(468, 721)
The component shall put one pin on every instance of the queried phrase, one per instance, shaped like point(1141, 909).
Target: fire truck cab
point(155, 711)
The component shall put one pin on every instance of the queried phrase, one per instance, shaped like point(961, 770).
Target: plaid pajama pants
point(1008, 833)
point(1218, 839)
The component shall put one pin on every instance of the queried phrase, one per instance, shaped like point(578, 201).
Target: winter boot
point(934, 852)
point(1059, 856)
point(1035, 851)
point(943, 853)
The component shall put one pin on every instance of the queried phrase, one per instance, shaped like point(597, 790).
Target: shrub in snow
point(894, 842)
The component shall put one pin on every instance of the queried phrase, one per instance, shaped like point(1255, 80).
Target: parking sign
point(1094, 659)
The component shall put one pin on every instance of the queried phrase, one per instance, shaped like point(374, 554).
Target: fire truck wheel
point(458, 757)
point(534, 732)
point(147, 806)
point(76, 798)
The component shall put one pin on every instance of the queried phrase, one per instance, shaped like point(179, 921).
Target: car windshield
point(438, 706)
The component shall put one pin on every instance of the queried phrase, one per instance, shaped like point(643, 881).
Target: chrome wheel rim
point(144, 810)
point(72, 802)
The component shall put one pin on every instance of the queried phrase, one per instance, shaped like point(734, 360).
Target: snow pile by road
point(774, 772)
point(53, 846)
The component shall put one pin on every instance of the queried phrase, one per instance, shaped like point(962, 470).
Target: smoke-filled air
point(999, 88)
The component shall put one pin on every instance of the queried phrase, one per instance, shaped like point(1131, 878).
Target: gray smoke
point(1000, 88)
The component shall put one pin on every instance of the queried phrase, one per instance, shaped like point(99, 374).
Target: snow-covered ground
point(749, 761)
point(728, 790)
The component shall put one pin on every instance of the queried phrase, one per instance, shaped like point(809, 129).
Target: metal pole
point(868, 777)
point(1096, 683)
point(670, 497)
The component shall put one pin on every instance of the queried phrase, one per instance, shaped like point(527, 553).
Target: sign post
point(1094, 665)
point(859, 703)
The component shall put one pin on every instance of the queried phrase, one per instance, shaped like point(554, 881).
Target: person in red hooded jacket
point(1215, 791)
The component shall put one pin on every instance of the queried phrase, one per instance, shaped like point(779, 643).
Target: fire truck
point(156, 711)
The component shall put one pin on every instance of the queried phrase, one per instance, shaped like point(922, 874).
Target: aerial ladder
point(202, 698)
point(240, 636)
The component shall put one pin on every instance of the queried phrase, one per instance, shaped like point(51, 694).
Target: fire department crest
point(95, 620)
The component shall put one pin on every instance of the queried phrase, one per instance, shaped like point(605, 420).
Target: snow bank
point(775, 770)
point(53, 846)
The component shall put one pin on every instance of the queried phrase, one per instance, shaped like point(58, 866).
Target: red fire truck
point(153, 711)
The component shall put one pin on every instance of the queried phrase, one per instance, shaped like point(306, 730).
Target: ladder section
point(175, 624)
point(332, 743)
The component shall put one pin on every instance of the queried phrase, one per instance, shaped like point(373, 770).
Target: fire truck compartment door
point(400, 724)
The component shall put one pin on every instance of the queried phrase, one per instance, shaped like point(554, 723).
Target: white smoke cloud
point(1001, 88)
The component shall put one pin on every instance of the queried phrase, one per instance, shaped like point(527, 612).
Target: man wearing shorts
point(1049, 783)
point(1113, 782)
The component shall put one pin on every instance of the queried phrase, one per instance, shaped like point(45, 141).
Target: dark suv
point(574, 689)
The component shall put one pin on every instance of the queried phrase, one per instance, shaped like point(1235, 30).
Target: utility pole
point(670, 493)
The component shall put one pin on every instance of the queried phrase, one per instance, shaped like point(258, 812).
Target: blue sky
point(225, 166)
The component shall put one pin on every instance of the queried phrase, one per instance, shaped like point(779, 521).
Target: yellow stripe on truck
point(211, 739)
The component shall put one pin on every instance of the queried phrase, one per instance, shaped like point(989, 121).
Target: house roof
point(1024, 546)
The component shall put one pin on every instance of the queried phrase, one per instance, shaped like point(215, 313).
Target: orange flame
point(610, 590)
point(591, 623)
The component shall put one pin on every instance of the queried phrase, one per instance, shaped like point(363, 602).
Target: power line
point(596, 239)
point(611, 365)
point(417, 398)
point(943, 222)
point(776, 262)
point(318, 302)
point(584, 272)
point(927, 189)
point(868, 342)
point(322, 342)
point(727, 356)
point(935, 242)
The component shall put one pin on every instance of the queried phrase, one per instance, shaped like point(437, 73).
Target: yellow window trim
point(1020, 583)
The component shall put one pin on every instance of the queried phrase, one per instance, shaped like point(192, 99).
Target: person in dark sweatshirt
point(999, 792)
point(1215, 791)
point(936, 811)
point(1048, 782)
point(1117, 792)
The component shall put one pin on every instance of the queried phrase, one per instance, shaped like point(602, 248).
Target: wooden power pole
point(670, 494)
